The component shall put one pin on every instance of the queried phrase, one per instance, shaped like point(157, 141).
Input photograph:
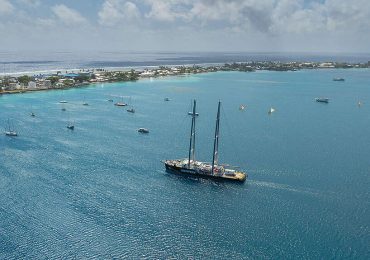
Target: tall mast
point(215, 145)
point(192, 136)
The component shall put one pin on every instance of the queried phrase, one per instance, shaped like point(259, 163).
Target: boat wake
point(284, 187)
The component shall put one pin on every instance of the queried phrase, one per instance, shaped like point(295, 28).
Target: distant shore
point(83, 77)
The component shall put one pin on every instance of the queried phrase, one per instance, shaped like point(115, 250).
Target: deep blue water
point(102, 192)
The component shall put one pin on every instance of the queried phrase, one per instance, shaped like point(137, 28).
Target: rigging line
point(183, 133)
point(230, 136)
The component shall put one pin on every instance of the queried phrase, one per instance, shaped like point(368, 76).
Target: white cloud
point(115, 11)
point(348, 14)
point(169, 10)
point(328, 16)
point(44, 22)
point(161, 11)
point(251, 14)
point(130, 10)
point(214, 24)
point(6, 7)
point(32, 3)
point(67, 15)
point(265, 16)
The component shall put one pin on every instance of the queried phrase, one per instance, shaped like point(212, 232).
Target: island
point(10, 84)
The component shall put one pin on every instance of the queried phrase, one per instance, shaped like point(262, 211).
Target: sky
point(186, 25)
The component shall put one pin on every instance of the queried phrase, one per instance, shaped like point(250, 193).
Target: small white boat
point(167, 99)
point(338, 79)
point(63, 101)
point(11, 133)
point(359, 103)
point(120, 104)
point(143, 130)
point(271, 110)
point(191, 113)
point(33, 114)
point(241, 107)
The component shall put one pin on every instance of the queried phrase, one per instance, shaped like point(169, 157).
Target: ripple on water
point(102, 192)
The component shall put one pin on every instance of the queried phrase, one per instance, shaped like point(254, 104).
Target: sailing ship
point(191, 167)
point(10, 130)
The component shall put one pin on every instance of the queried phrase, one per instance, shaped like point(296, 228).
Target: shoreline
point(78, 78)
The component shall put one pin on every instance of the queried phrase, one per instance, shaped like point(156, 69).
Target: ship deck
point(180, 167)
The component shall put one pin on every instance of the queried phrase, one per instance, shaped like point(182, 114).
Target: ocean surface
point(36, 62)
point(101, 190)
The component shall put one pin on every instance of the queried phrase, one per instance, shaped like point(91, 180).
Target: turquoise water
point(101, 191)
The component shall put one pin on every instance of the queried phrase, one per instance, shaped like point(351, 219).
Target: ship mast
point(192, 137)
point(215, 145)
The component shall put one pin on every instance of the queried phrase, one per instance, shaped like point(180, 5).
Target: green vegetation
point(53, 79)
point(68, 82)
point(82, 77)
point(24, 79)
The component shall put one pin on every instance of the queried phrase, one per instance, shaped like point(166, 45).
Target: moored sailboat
point(322, 100)
point(131, 109)
point(120, 103)
point(271, 110)
point(215, 170)
point(143, 130)
point(85, 103)
point(71, 126)
point(10, 131)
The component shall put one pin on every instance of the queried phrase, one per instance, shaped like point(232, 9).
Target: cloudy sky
point(186, 25)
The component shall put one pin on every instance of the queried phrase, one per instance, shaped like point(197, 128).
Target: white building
point(31, 85)
point(47, 83)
